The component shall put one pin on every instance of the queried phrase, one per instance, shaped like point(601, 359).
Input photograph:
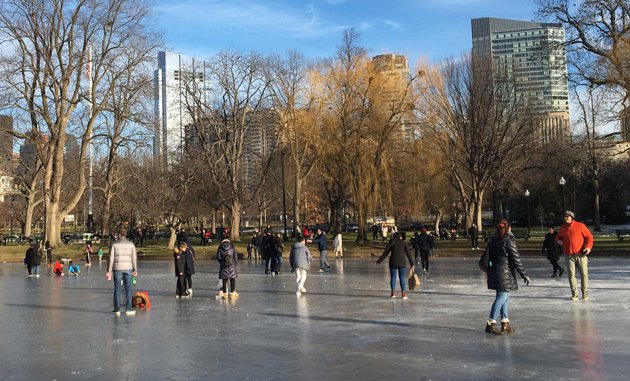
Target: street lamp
point(528, 221)
point(562, 183)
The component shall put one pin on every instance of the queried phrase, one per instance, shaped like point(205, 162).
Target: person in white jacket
point(338, 245)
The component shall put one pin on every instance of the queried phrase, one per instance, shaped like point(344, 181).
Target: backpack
point(228, 260)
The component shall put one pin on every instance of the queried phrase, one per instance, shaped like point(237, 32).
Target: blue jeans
point(500, 305)
point(125, 276)
point(36, 269)
point(402, 274)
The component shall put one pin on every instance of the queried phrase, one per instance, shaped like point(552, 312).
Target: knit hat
point(569, 213)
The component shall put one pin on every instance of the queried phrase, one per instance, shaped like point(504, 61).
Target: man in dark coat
point(552, 250)
point(424, 244)
point(268, 248)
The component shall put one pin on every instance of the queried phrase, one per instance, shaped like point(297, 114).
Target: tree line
point(343, 137)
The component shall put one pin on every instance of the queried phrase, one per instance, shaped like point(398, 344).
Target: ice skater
point(400, 255)
point(553, 251)
point(322, 246)
point(338, 245)
point(88, 253)
point(227, 258)
point(73, 269)
point(501, 260)
point(577, 242)
point(189, 256)
point(300, 260)
point(58, 268)
point(179, 255)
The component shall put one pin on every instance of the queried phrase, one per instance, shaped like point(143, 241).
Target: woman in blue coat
point(227, 258)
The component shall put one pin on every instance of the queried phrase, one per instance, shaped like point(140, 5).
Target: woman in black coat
point(503, 263)
point(227, 258)
point(400, 255)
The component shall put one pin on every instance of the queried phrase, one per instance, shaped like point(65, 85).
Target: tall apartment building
point(529, 58)
point(174, 80)
point(394, 69)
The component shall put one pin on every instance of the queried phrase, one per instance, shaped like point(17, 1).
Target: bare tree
point(52, 45)
point(597, 38)
point(361, 127)
point(222, 117)
point(298, 109)
point(481, 128)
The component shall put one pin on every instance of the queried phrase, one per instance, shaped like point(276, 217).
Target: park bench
point(621, 233)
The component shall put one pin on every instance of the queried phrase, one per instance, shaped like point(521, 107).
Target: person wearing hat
point(577, 242)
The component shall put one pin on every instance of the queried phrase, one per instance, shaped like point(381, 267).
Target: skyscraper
point(394, 69)
point(530, 58)
point(176, 80)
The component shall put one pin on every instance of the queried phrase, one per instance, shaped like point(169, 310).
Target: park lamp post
point(528, 220)
point(562, 183)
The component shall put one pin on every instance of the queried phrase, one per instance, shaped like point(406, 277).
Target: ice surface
point(344, 327)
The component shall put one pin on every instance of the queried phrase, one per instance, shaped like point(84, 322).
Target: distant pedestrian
point(374, 232)
point(29, 259)
point(73, 269)
point(551, 248)
point(276, 261)
point(384, 231)
point(322, 246)
point(338, 245)
point(268, 248)
point(473, 234)
point(400, 255)
point(179, 256)
point(502, 262)
point(577, 242)
point(424, 244)
point(228, 263)
point(300, 260)
point(189, 255)
point(123, 263)
point(88, 253)
point(48, 249)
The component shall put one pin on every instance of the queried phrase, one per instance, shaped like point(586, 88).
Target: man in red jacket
point(577, 242)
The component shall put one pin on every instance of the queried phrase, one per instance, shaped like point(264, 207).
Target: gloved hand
point(526, 279)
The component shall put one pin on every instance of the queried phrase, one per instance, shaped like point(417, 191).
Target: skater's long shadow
point(373, 322)
point(44, 307)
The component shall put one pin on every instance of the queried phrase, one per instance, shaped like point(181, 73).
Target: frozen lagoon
point(345, 327)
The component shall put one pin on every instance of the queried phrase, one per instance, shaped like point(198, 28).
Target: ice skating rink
point(344, 327)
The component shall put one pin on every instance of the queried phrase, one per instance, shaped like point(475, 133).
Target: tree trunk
point(107, 207)
point(172, 238)
point(297, 196)
point(235, 220)
point(596, 217)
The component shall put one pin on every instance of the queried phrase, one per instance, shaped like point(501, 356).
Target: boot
point(555, 273)
point(491, 327)
point(561, 271)
point(506, 328)
point(278, 268)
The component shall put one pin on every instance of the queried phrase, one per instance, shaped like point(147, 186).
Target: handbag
point(484, 261)
point(413, 280)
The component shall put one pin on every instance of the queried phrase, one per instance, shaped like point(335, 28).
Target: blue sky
point(433, 29)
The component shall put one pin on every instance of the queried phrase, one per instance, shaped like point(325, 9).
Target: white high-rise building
point(176, 79)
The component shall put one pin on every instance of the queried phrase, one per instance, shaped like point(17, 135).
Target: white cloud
point(303, 21)
point(393, 24)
